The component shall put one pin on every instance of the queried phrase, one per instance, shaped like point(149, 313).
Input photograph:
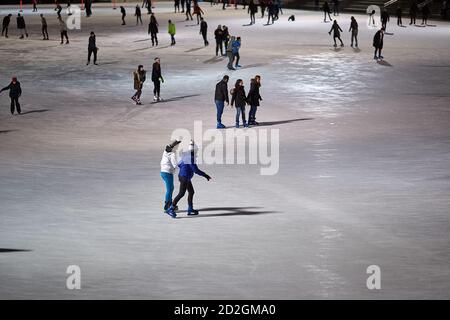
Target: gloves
point(161, 79)
point(207, 177)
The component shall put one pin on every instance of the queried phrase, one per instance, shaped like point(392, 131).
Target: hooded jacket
point(188, 167)
point(168, 162)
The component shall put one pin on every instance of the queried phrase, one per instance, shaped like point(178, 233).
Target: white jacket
point(168, 162)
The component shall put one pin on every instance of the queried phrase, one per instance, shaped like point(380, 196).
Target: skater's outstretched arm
point(6, 88)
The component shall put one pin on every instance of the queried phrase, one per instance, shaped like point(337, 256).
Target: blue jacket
point(235, 46)
point(188, 166)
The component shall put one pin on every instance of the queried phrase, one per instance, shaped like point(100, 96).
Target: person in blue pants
point(187, 167)
point(220, 96)
point(168, 167)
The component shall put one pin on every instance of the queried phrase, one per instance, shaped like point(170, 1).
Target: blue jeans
point(252, 114)
point(168, 180)
point(219, 105)
point(240, 110)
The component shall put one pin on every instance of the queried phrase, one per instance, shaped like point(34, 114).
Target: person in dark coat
point(326, 11)
point(58, 9)
point(88, 8)
point(15, 91)
point(226, 36)
point(153, 29)
point(425, 14)
point(253, 99)
point(5, 24)
point(239, 100)
point(188, 10)
point(270, 11)
point(204, 31)
point(92, 48)
point(378, 43)
point(384, 18)
point(413, 12)
point(124, 13)
point(252, 9)
point(399, 13)
point(157, 78)
point(335, 7)
point(21, 26)
point(44, 27)
point(263, 4)
point(139, 77)
point(220, 97)
point(354, 30)
point(138, 15)
point(218, 35)
point(336, 33)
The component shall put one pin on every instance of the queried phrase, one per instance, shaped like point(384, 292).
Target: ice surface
point(364, 181)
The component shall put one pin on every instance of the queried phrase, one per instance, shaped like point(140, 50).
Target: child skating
point(15, 91)
point(168, 168)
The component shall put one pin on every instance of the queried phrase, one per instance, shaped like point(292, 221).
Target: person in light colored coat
point(168, 167)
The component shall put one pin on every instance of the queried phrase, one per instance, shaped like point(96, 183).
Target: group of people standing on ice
point(139, 77)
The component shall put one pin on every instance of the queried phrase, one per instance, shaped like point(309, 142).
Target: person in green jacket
point(172, 30)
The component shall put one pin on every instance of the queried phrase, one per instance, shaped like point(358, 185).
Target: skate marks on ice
point(8, 250)
point(229, 211)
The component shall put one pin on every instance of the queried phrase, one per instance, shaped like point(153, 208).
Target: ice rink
point(364, 176)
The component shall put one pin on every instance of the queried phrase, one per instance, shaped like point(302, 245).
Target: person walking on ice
point(15, 91)
point(168, 167)
point(204, 31)
point(124, 13)
point(220, 97)
point(153, 29)
point(44, 27)
point(138, 15)
point(21, 26)
point(5, 25)
point(253, 99)
point(354, 30)
point(63, 29)
point(326, 11)
point(92, 48)
point(336, 33)
point(378, 44)
point(239, 100)
point(172, 30)
point(139, 77)
point(157, 78)
point(399, 13)
point(188, 168)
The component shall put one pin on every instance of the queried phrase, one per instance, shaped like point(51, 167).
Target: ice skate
point(192, 211)
point(220, 126)
point(155, 99)
point(171, 212)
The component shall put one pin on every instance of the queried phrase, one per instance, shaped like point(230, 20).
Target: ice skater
point(263, 5)
point(425, 14)
point(63, 31)
point(378, 44)
point(218, 35)
point(253, 99)
point(198, 11)
point(239, 100)
point(138, 15)
point(147, 4)
point(229, 51)
point(354, 30)
point(335, 7)
point(384, 18)
point(139, 77)
point(88, 8)
point(124, 14)
point(35, 9)
point(182, 5)
point(372, 18)
point(92, 48)
point(58, 9)
point(235, 47)
point(326, 11)
point(270, 12)
point(188, 168)
point(336, 33)
point(44, 27)
point(399, 13)
point(157, 78)
point(252, 10)
point(168, 168)
point(153, 29)
point(172, 30)
point(188, 10)
point(204, 31)
point(21, 26)
point(226, 36)
point(220, 97)
point(15, 91)
point(413, 12)
point(5, 25)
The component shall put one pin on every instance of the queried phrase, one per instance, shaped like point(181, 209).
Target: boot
point(245, 124)
point(192, 211)
point(167, 205)
point(171, 212)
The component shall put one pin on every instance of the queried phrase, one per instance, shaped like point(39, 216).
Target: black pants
point(399, 21)
point(15, 105)
point(44, 32)
point(138, 18)
point(252, 18)
point(325, 15)
point(64, 35)
point(413, 19)
point(137, 95)
point(188, 14)
point(90, 52)
point(5, 31)
point(185, 185)
point(154, 38)
point(204, 38)
point(379, 52)
point(219, 46)
point(156, 87)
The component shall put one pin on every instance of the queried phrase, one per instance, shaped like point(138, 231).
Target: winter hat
point(14, 79)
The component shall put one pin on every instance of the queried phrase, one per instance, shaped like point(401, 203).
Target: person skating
point(270, 12)
point(157, 78)
point(15, 91)
point(384, 18)
point(326, 11)
point(399, 13)
point(413, 12)
point(336, 33)
point(378, 43)
point(239, 100)
point(218, 35)
point(58, 9)
point(198, 11)
point(153, 29)
point(354, 30)
point(138, 15)
point(69, 8)
point(263, 5)
point(188, 10)
point(44, 27)
point(187, 168)
point(92, 48)
point(63, 30)
point(176, 4)
point(21, 26)
point(35, 9)
point(253, 99)
point(139, 77)
point(226, 36)
point(5, 25)
point(425, 14)
point(236, 46)
point(335, 7)
point(88, 8)
point(124, 14)
point(229, 50)
point(444, 8)
point(172, 30)
point(204, 31)
point(252, 10)
point(168, 168)
point(372, 18)
point(220, 97)
point(182, 6)
point(147, 4)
